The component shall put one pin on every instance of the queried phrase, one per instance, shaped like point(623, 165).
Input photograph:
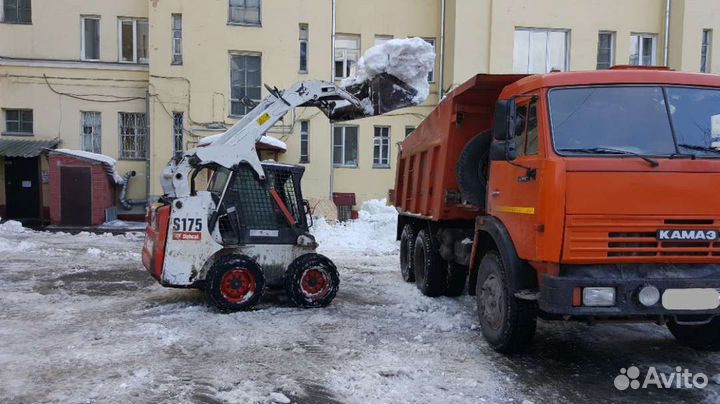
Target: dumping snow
point(108, 161)
point(410, 60)
point(264, 140)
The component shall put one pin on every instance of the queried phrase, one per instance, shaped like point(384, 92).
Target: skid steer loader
point(249, 229)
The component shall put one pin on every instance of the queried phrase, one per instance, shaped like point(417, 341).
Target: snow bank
point(372, 234)
point(11, 226)
point(110, 162)
point(266, 140)
point(409, 59)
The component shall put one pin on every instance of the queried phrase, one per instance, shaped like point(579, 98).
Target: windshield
point(637, 119)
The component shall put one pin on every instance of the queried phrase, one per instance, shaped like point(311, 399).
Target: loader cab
point(251, 211)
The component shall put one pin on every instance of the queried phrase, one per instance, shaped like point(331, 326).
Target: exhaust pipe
point(124, 201)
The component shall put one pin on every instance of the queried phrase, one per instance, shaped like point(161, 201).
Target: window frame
point(176, 55)
point(305, 140)
point(613, 48)
point(96, 131)
point(20, 122)
point(357, 39)
point(232, 54)
point(378, 139)
point(303, 40)
point(178, 131)
point(17, 21)
point(230, 21)
point(412, 130)
point(136, 58)
point(641, 36)
point(566, 60)
point(706, 51)
point(122, 154)
point(383, 38)
point(83, 49)
point(344, 142)
point(431, 73)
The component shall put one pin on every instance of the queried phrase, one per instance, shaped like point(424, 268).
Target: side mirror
point(503, 151)
point(504, 123)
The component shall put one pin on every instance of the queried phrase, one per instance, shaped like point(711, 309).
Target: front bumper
point(556, 292)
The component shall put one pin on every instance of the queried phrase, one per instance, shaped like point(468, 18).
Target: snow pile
point(109, 162)
point(410, 60)
point(264, 140)
point(11, 226)
point(372, 234)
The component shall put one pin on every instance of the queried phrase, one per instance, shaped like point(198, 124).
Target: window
point(706, 51)
point(431, 73)
point(19, 121)
point(304, 142)
point(245, 12)
point(381, 39)
point(90, 135)
point(177, 55)
point(244, 83)
point(409, 130)
point(304, 37)
point(133, 134)
point(605, 50)
point(381, 147)
point(17, 11)
point(540, 50)
point(347, 51)
point(133, 40)
point(90, 41)
point(177, 133)
point(643, 49)
point(345, 146)
point(527, 142)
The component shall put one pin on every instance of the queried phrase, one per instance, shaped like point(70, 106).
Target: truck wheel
point(456, 277)
point(703, 337)
point(507, 323)
point(235, 283)
point(407, 243)
point(430, 269)
point(311, 280)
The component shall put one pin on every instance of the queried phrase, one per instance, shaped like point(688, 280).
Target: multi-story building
point(140, 81)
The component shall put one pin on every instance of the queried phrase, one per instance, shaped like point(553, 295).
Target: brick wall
point(102, 187)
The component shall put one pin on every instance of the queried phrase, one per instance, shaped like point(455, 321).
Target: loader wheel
point(702, 337)
point(456, 277)
point(430, 269)
point(235, 283)
point(507, 323)
point(407, 243)
point(312, 280)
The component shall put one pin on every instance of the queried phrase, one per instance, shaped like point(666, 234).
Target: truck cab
point(585, 196)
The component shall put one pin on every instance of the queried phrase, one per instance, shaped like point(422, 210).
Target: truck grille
point(634, 239)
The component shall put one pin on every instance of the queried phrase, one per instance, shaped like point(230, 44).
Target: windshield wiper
point(608, 150)
point(699, 148)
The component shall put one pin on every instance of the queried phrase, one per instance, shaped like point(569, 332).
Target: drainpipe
point(147, 147)
point(124, 201)
point(442, 50)
point(332, 80)
point(666, 50)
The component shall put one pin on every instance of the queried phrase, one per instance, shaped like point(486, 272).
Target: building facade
point(143, 80)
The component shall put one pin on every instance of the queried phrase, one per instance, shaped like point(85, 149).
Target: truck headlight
point(598, 296)
point(649, 295)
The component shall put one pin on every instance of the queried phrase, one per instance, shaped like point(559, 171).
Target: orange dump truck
point(587, 196)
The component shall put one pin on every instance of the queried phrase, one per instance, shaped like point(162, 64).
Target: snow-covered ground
point(82, 322)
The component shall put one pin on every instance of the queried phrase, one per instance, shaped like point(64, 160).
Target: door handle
point(495, 193)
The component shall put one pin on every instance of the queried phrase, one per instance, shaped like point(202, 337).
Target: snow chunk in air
point(109, 162)
point(410, 60)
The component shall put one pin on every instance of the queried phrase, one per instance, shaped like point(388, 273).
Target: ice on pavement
point(409, 59)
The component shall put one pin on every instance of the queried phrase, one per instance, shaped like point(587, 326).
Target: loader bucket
point(379, 95)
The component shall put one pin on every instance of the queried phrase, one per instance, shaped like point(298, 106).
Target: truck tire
point(703, 337)
point(235, 283)
point(507, 323)
point(430, 269)
point(456, 277)
point(311, 280)
point(407, 243)
point(471, 169)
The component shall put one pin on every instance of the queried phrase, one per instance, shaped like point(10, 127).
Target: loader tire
point(311, 280)
point(456, 277)
point(407, 244)
point(507, 323)
point(702, 337)
point(235, 283)
point(472, 169)
point(430, 269)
